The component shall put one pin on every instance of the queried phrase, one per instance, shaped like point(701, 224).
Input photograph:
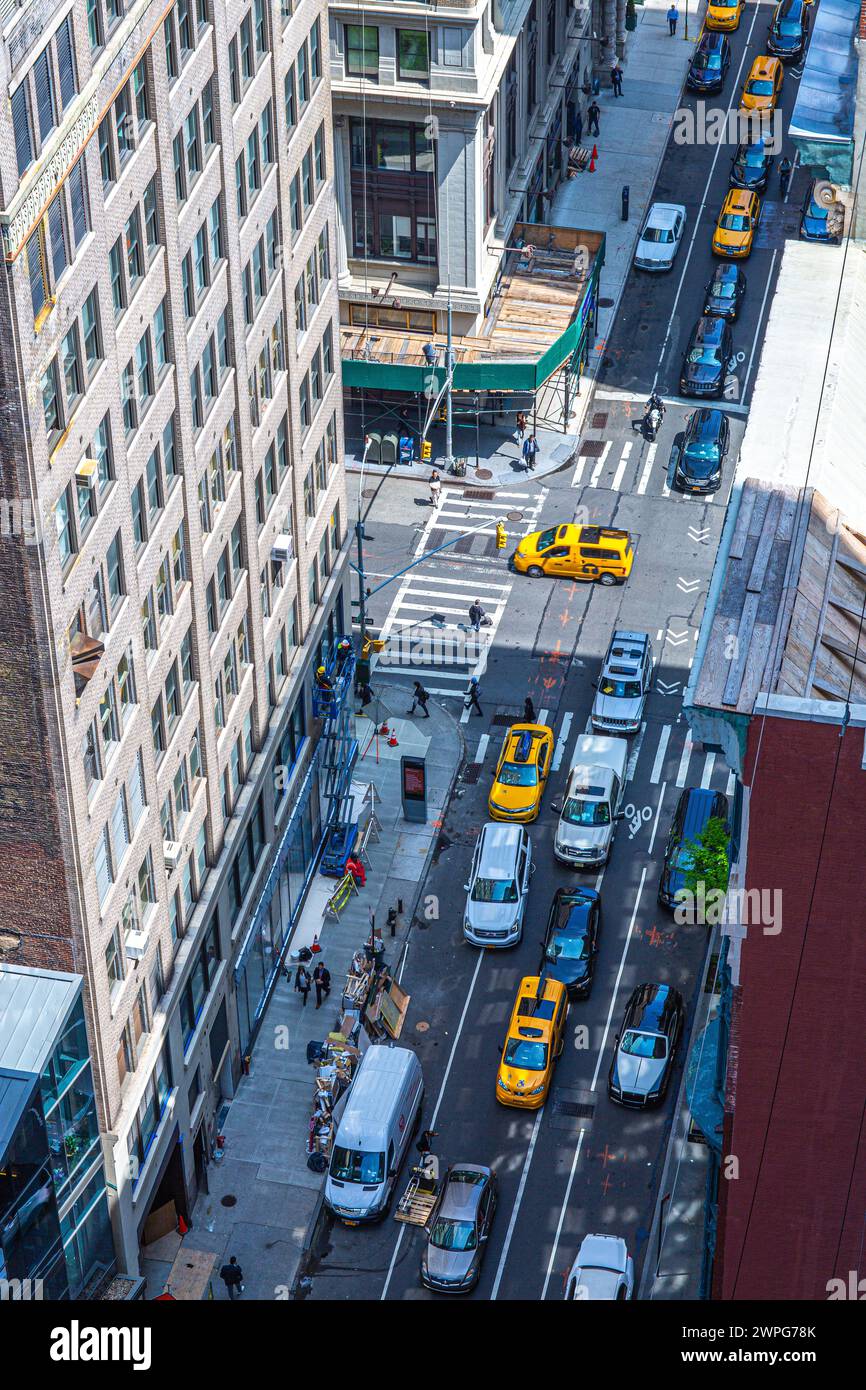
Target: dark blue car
point(696, 806)
point(823, 216)
point(571, 940)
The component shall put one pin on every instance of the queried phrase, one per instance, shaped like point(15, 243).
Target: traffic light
point(443, 414)
point(426, 451)
point(501, 539)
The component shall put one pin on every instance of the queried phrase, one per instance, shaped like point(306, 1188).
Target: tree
point(706, 880)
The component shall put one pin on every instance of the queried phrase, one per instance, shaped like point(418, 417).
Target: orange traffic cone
point(384, 729)
point(592, 166)
point(315, 948)
point(182, 1227)
point(595, 151)
point(392, 741)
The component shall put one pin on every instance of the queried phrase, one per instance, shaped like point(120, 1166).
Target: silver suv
point(498, 886)
point(626, 676)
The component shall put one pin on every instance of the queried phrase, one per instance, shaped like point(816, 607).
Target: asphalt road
point(581, 1164)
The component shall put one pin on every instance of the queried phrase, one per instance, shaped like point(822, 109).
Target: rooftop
point(34, 1005)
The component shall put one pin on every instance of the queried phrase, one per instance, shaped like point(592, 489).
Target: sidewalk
point(263, 1197)
point(499, 459)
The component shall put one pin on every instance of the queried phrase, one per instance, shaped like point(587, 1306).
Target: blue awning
point(822, 123)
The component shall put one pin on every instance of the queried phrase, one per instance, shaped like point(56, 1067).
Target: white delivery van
point(381, 1112)
point(593, 802)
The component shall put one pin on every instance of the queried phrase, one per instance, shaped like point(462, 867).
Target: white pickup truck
point(592, 804)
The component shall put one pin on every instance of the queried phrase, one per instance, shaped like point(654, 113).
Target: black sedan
point(571, 940)
point(725, 292)
point(710, 64)
point(789, 30)
point(750, 167)
point(646, 1046)
point(823, 216)
point(707, 358)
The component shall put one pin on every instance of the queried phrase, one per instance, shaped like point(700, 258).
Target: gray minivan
point(381, 1112)
point(498, 886)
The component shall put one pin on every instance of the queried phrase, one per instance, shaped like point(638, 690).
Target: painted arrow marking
point(676, 639)
point(688, 586)
point(667, 689)
point(701, 534)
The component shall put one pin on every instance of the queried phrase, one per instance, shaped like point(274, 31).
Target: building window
point(413, 55)
point(362, 50)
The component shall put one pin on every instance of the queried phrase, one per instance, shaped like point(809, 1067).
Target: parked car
point(695, 807)
point(708, 358)
point(789, 29)
point(458, 1235)
point(570, 943)
point(602, 1272)
point(521, 773)
point(726, 291)
point(709, 66)
point(724, 14)
point(823, 214)
point(661, 236)
point(498, 886)
point(535, 1037)
point(750, 166)
point(737, 224)
point(592, 807)
point(705, 444)
point(645, 1047)
point(624, 683)
point(382, 1107)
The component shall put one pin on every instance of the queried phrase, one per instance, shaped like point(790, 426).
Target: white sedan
point(661, 237)
point(602, 1272)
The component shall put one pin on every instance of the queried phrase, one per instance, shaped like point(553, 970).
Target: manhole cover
point(598, 423)
point(592, 448)
point(605, 304)
point(483, 473)
point(514, 516)
point(472, 773)
point(229, 1200)
point(478, 494)
point(421, 1027)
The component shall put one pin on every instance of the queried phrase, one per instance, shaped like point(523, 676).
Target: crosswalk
point(427, 630)
point(632, 466)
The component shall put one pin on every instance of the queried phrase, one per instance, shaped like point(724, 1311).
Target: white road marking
point(594, 1082)
point(621, 467)
point(562, 741)
point(599, 467)
point(482, 748)
point(542, 716)
point(516, 1208)
point(432, 1124)
point(656, 773)
point(577, 475)
point(758, 326)
point(635, 753)
point(656, 819)
point(684, 762)
point(709, 764)
point(562, 1212)
point(647, 470)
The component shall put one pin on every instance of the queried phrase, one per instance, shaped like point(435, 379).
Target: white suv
point(626, 677)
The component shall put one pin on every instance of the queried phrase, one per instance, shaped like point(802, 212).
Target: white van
point(381, 1112)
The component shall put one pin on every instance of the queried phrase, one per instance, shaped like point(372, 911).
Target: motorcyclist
point(655, 402)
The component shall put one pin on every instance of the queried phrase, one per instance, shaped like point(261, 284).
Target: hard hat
point(321, 671)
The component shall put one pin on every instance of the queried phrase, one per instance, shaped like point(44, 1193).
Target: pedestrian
point(616, 79)
point(785, 171)
point(592, 116)
point(419, 697)
point(365, 694)
point(578, 127)
point(233, 1278)
point(322, 981)
point(470, 699)
point(435, 488)
point(673, 16)
point(530, 452)
point(344, 648)
point(521, 425)
point(476, 615)
point(357, 870)
point(425, 1143)
point(302, 981)
point(528, 711)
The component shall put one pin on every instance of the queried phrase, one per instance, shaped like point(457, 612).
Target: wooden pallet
point(417, 1209)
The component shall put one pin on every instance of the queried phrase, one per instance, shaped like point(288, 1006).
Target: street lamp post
point(359, 539)
point(449, 368)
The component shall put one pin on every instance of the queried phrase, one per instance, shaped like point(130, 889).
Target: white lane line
point(562, 741)
point(682, 771)
point(666, 492)
point(480, 584)
point(621, 467)
point(542, 716)
point(432, 1125)
point(563, 1209)
point(482, 748)
point(709, 764)
point(656, 820)
point(577, 475)
point(731, 788)
point(700, 210)
point(599, 467)
point(618, 978)
point(635, 753)
point(655, 776)
point(758, 327)
point(516, 1208)
point(444, 526)
point(647, 470)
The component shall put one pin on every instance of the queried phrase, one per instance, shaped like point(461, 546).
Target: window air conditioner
point(136, 944)
point(87, 472)
point(282, 549)
point(171, 854)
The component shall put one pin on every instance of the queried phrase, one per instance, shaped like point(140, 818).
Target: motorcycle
point(652, 420)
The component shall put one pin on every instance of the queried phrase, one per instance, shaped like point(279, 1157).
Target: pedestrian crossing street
point(444, 653)
point(632, 467)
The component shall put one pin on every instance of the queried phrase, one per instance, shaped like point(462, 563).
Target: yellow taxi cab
point(735, 229)
point(724, 14)
point(533, 1042)
point(521, 773)
point(600, 553)
point(763, 85)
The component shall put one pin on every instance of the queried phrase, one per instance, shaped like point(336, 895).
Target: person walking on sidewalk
point(435, 488)
point(528, 711)
point(470, 699)
point(521, 425)
point(592, 116)
point(785, 171)
point(302, 981)
point(578, 127)
point(233, 1277)
point(673, 16)
point(616, 79)
point(419, 697)
point(322, 981)
point(530, 452)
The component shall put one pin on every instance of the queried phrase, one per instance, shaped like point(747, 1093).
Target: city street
point(581, 1164)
